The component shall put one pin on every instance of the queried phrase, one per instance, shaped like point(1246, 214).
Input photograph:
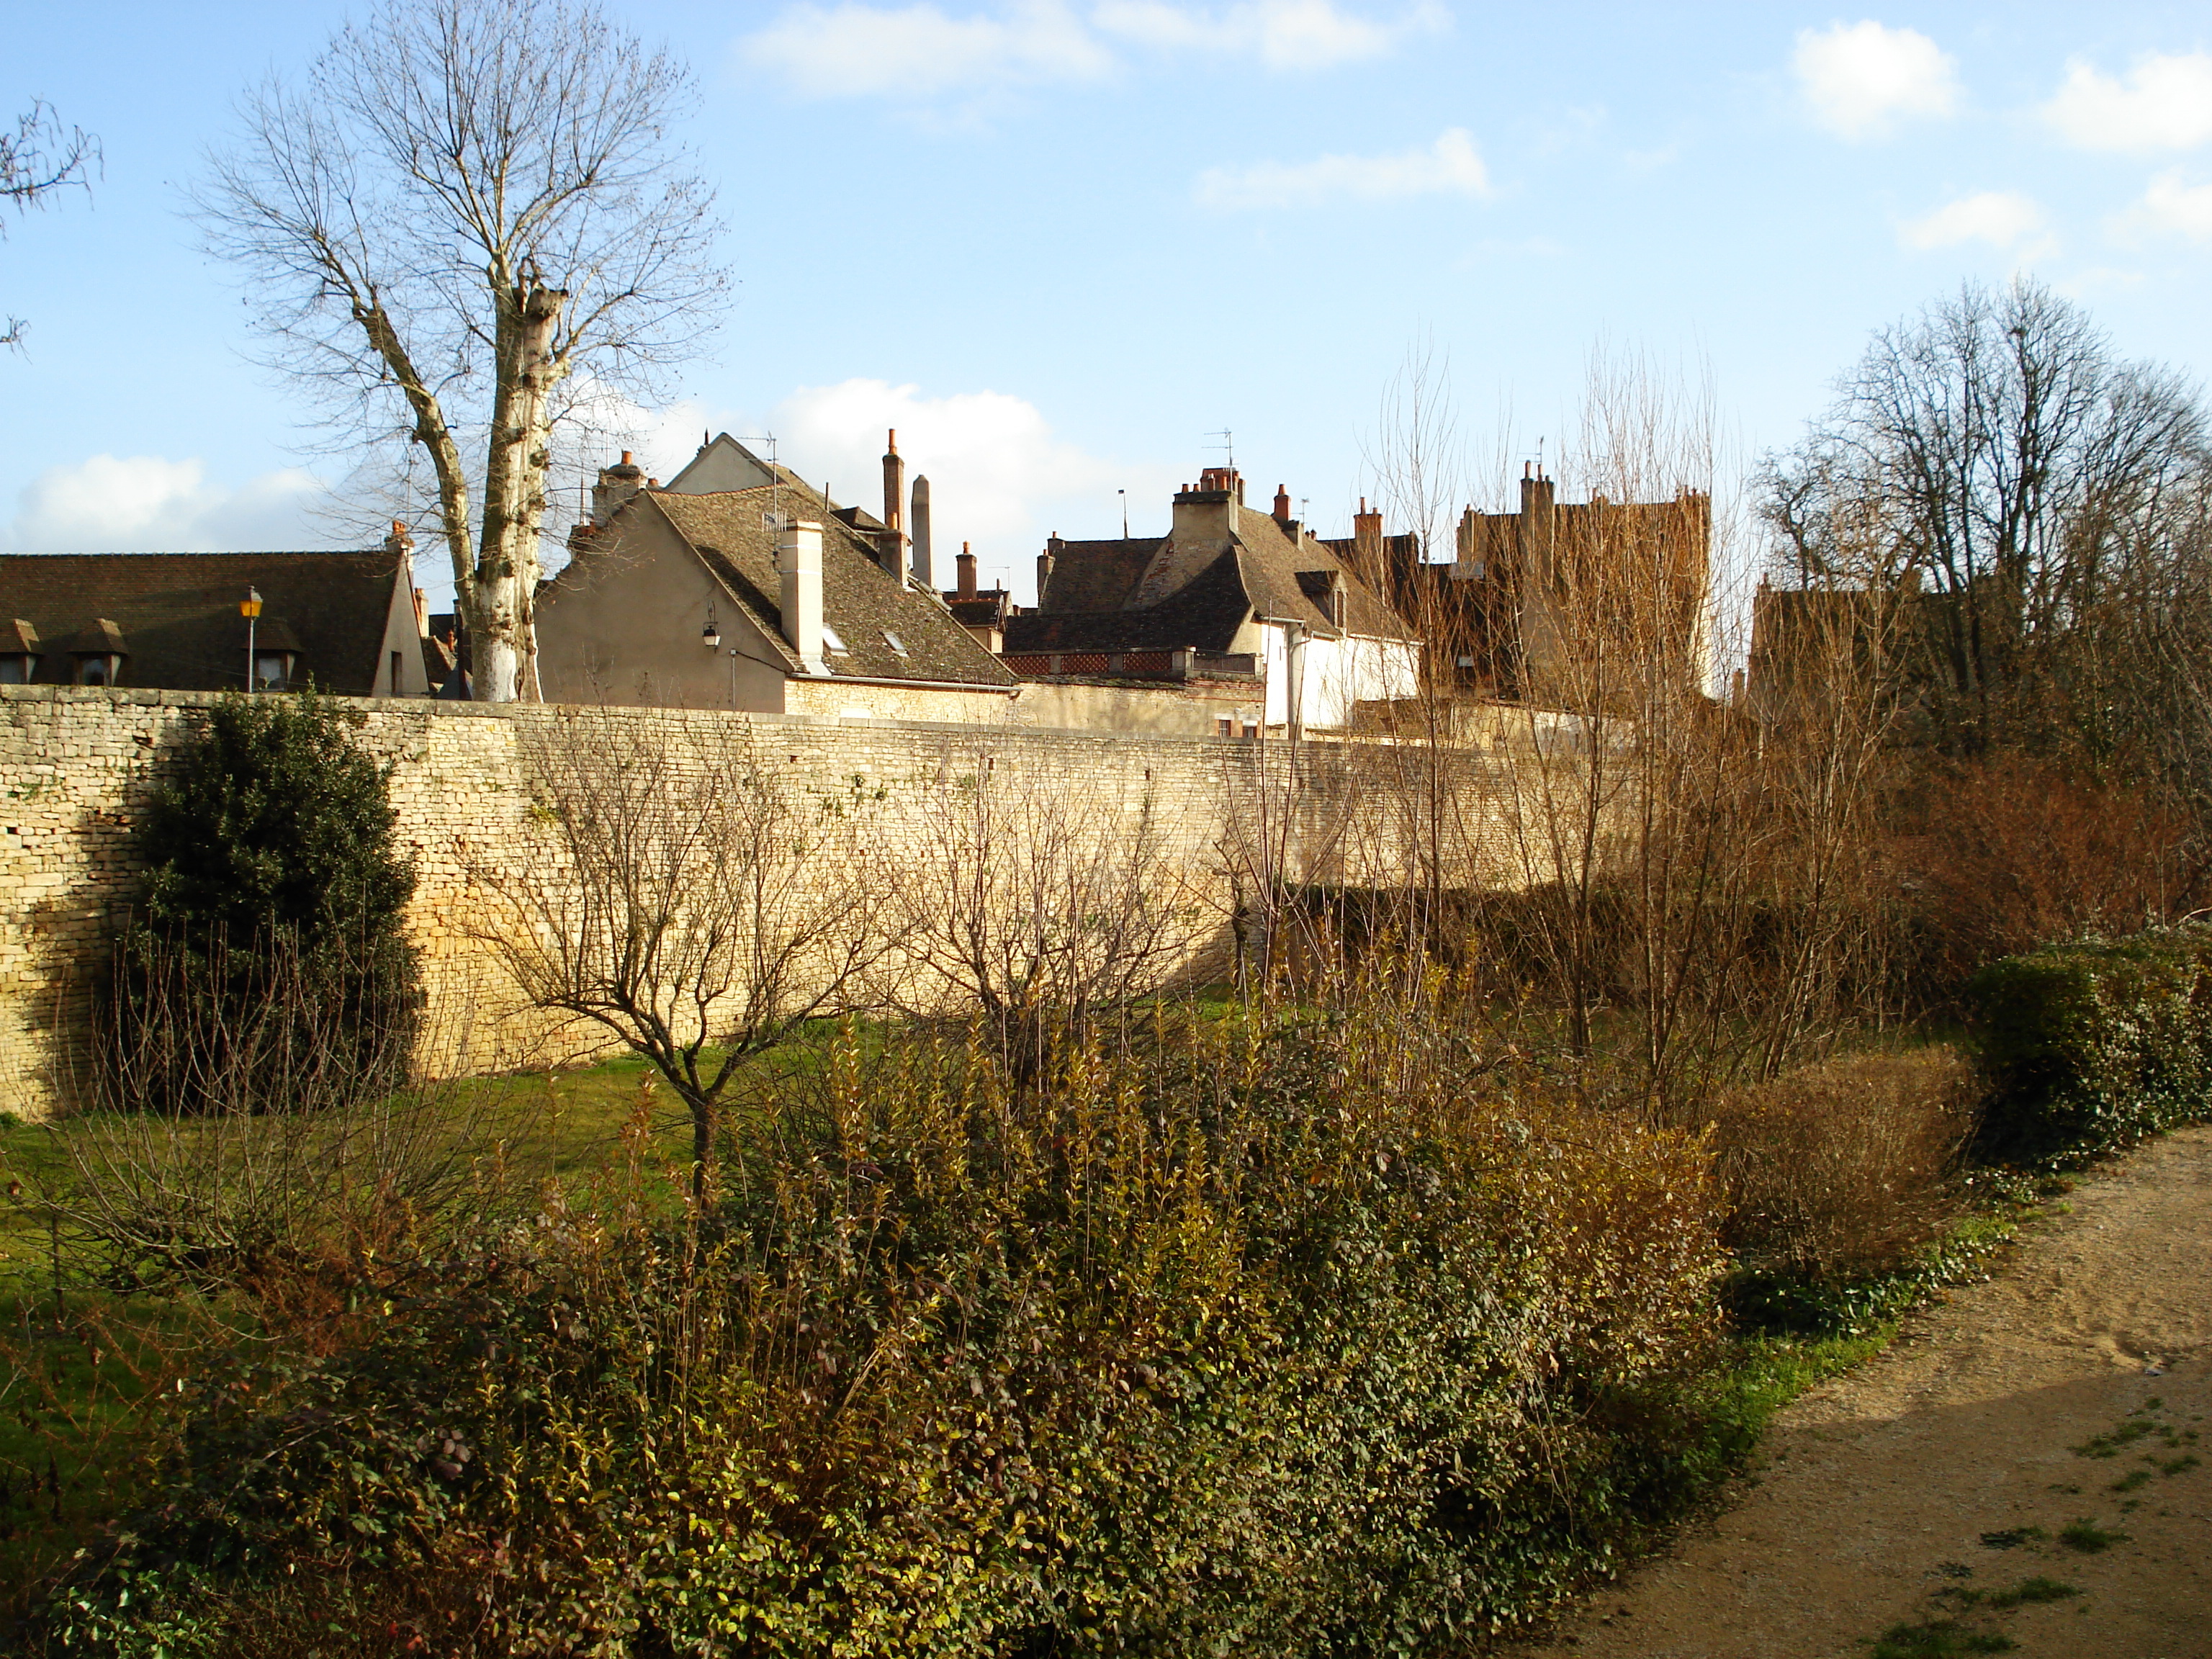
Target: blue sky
point(1058, 242)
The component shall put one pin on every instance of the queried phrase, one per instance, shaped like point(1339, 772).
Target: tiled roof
point(865, 605)
point(1097, 575)
point(178, 612)
point(1203, 615)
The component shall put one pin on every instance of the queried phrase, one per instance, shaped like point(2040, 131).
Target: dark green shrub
point(2092, 1044)
point(1276, 1339)
point(266, 968)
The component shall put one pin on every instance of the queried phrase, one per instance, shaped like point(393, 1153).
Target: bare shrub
point(1035, 911)
point(224, 1135)
point(2014, 851)
point(1839, 1169)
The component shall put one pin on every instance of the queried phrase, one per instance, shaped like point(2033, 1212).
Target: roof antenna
point(1228, 445)
point(1124, 495)
point(775, 478)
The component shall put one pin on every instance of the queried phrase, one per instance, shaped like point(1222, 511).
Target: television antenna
point(1227, 446)
point(774, 476)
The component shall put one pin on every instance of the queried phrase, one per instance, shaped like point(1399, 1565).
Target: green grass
point(2087, 1538)
point(1938, 1638)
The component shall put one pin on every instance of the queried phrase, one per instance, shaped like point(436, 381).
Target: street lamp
point(250, 608)
point(711, 635)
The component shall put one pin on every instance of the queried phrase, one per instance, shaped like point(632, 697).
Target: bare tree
point(1038, 911)
point(2044, 496)
point(36, 160)
point(685, 897)
point(464, 207)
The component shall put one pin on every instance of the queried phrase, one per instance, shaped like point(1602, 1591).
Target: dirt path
point(1886, 1497)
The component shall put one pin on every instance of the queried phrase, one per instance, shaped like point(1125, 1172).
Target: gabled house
point(347, 623)
point(1229, 595)
point(737, 586)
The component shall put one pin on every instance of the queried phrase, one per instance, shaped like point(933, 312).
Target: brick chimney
point(400, 541)
point(1282, 506)
point(799, 563)
point(1367, 539)
point(891, 544)
point(921, 557)
point(617, 484)
point(1046, 561)
point(966, 565)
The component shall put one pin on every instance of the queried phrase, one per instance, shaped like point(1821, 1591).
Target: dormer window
point(272, 670)
point(97, 654)
point(276, 655)
point(895, 642)
point(19, 652)
point(833, 641)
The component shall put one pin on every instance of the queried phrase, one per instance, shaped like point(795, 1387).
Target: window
point(398, 660)
point(272, 669)
point(17, 667)
point(95, 670)
point(1224, 727)
point(833, 641)
point(894, 642)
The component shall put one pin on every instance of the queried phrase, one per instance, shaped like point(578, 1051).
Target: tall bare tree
point(36, 160)
point(2045, 496)
point(464, 209)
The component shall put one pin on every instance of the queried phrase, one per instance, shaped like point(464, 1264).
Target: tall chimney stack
point(1046, 561)
point(890, 541)
point(1282, 505)
point(1367, 540)
point(799, 563)
point(967, 564)
point(921, 571)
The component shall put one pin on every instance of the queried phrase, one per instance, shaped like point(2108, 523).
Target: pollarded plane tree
point(465, 222)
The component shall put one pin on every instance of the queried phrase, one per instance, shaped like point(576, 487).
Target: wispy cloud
point(1282, 34)
point(1860, 80)
point(149, 503)
point(917, 51)
point(2173, 208)
point(2002, 218)
point(2163, 103)
point(921, 52)
point(1450, 166)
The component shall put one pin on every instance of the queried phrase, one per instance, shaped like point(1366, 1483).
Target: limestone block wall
point(76, 765)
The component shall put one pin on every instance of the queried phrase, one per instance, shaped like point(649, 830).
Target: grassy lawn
point(84, 1372)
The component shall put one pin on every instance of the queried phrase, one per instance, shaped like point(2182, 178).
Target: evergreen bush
point(2092, 1044)
point(266, 967)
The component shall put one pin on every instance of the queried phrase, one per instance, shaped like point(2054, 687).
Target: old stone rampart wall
point(76, 765)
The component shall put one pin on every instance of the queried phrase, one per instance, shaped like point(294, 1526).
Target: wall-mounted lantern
point(711, 635)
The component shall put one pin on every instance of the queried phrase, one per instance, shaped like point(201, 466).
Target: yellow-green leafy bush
point(1263, 1334)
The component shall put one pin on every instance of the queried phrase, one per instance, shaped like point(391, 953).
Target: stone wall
point(75, 765)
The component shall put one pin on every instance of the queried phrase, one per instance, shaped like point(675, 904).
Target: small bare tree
point(36, 160)
point(1037, 911)
point(466, 206)
point(683, 897)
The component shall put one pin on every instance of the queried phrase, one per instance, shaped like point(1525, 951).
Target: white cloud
point(1858, 79)
point(1282, 34)
point(148, 503)
point(2175, 208)
point(1999, 218)
point(861, 50)
point(2165, 103)
point(998, 476)
point(1450, 166)
point(921, 52)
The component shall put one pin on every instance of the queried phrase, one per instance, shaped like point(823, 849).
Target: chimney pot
point(625, 459)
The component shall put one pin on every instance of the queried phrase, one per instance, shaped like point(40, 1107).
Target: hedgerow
point(1266, 1334)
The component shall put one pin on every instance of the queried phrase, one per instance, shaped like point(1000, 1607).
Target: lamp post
point(250, 608)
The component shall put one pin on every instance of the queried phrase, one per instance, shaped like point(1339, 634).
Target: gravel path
point(1945, 1470)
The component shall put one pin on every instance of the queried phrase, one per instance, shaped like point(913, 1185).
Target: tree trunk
point(500, 596)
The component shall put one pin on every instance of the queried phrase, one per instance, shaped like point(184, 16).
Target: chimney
point(1046, 560)
point(799, 563)
point(400, 541)
point(921, 571)
point(967, 588)
point(1367, 539)
point(1282, 505)
point(617, 484)
point(891, 542)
